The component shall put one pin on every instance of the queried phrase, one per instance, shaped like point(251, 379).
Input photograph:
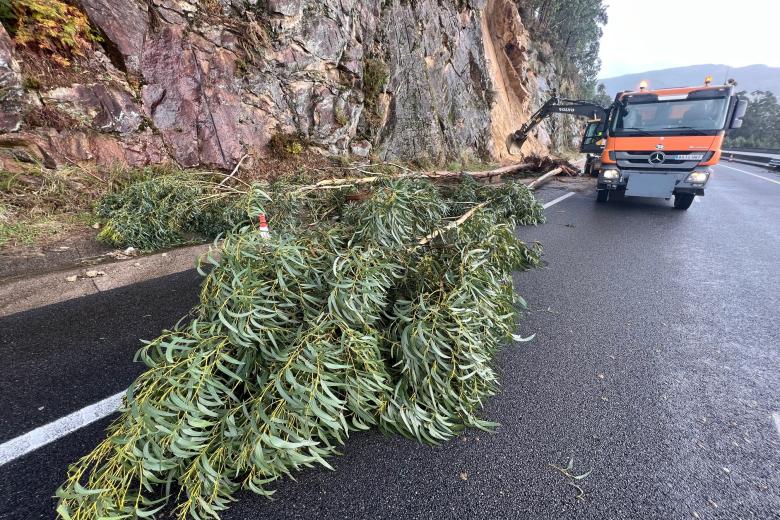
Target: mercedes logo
point(657, 158)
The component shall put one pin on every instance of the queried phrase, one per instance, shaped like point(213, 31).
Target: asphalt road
point(656, 365)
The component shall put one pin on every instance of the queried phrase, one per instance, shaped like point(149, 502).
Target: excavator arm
point(556, 105)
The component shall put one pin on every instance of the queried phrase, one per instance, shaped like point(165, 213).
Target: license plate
point(689, 157)
point(650, 185)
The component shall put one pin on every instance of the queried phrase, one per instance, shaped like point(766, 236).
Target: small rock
point(464, 475)
point(187, 7)
point(41, 408)
point(361, 148)
point(130, 251)
point(727, 471)
point(164, 255)
point(137, 264)
point(94, 274)
point(71, 278)
point(601, 376)
point(96, 225)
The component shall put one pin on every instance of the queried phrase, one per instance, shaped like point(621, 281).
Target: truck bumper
point(662, 184)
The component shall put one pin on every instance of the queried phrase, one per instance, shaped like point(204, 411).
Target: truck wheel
point(602, 195)
point(683, 200)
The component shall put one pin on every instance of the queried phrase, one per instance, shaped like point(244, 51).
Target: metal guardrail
point(773, 151)
point(767, 158)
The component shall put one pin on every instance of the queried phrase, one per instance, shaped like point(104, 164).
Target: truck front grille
point(640, 160)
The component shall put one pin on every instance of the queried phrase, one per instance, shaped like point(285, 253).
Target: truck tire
point(683, 200)
point(602, 195)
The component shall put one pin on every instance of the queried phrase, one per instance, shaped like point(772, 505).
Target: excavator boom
point(556, 105)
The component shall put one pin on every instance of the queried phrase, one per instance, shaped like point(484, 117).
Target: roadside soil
point(65, 250)
point(578, 184)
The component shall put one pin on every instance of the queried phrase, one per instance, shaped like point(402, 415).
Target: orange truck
point(654, 143)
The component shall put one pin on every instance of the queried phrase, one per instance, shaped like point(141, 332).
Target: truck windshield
point(671, 117)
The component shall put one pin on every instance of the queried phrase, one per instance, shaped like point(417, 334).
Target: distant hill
point(752, 77)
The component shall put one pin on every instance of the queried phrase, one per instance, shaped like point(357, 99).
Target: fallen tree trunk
point(512, 168)
point(439, 175)
point(544, 178)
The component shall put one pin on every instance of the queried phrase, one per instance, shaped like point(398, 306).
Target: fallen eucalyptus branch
point(235, 170)
point(309, 335)
point(452, 225)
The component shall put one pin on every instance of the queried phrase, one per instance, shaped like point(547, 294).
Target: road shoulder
point(30, 293)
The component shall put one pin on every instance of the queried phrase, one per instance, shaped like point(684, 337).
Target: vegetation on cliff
point(51, 27)
point(573, 29)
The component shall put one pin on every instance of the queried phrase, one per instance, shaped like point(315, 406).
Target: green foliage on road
point(761, 128)
point(166, 211)
point(573, 28)
point(342, 321)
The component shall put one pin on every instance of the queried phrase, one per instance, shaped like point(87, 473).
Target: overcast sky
point(643, 36)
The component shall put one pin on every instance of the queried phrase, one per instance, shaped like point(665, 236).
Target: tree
point(761, 127)
point(602, 96)
point(574, 29)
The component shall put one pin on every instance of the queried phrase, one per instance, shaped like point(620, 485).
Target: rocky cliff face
point(203, 82)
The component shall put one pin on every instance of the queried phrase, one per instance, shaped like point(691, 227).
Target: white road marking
point(39, 437)
point(776, 417)
point(559, 199)
point(750, 173)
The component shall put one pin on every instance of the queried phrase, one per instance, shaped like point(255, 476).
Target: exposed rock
point(361, 148)
point(54, 148)
point(286, 7)
point(19, 148)
point(438, 82)
point(203, 84)
point(11, 89)
point(125, 24)
point(98, 106)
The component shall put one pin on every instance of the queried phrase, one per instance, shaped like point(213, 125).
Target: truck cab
point(663, 143)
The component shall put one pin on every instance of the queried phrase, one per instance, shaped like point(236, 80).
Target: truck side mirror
point(739, 113)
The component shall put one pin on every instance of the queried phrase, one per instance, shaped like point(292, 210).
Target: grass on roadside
point(39, 203)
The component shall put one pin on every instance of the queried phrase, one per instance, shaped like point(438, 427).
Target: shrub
point(375, 76)
point(50, 27)
point(284, 144)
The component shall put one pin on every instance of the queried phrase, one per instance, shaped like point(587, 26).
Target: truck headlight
point(700, 177)
point(610, 175)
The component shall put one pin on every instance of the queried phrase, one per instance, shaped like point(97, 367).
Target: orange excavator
point(653, 143)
